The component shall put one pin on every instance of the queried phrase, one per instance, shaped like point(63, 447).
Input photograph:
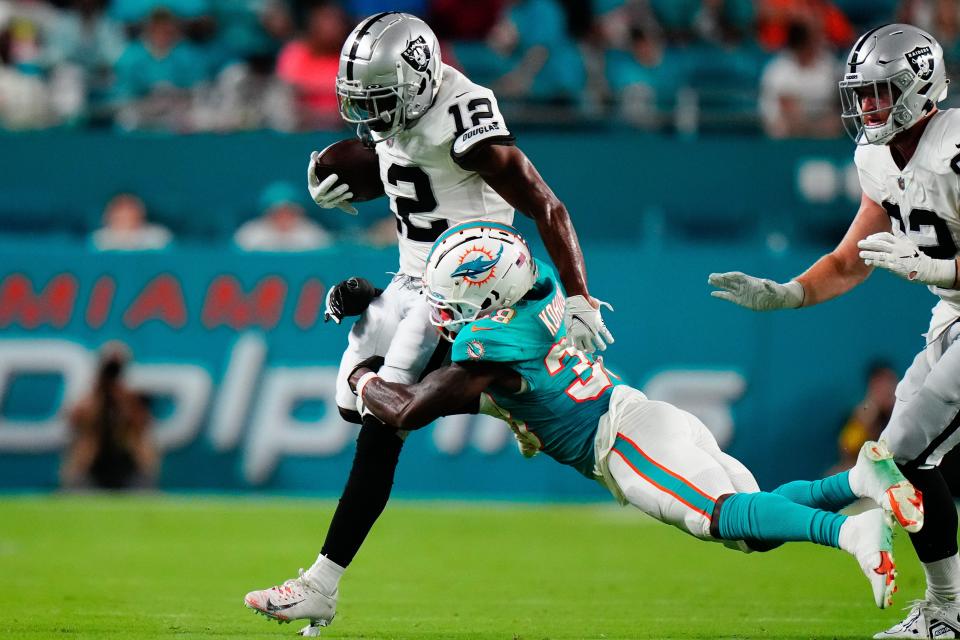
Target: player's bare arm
point(842, 269)
point(832, 275)
point(444, 392)
point(511, 174)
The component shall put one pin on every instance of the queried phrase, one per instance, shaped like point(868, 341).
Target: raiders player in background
point(445, 156)
point(908, 160)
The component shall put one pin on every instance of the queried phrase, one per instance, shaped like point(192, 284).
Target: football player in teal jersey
point(503, 311)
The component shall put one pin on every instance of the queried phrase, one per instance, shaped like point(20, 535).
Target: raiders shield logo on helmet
point(417, 54)
point(921, 61)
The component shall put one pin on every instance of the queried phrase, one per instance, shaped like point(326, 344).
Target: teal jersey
point(565, 390)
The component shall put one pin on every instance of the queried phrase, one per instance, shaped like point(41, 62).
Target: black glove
point(349, 298)
point(373, 363)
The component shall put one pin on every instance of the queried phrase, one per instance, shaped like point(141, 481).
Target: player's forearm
point(830, 277)
point(395, 405)
point(513, 176)
point(560, 239)
point(447, 391)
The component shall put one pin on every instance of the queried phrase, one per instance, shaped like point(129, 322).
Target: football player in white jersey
point(908, 160)
point(445, 155)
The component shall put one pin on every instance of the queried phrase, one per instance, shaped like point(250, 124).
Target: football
point(355, 165)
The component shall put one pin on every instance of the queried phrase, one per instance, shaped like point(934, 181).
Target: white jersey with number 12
point(428, 190)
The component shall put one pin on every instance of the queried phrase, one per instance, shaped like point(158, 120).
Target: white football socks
point(943, 580)
point(325, 574)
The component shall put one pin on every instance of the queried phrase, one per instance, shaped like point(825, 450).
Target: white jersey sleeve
point(478, 121)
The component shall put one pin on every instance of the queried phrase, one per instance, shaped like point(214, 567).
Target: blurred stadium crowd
point(222, 65)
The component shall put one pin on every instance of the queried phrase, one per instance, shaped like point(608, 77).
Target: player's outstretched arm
point(511, 174)
point(832, 275)
point(446, 391)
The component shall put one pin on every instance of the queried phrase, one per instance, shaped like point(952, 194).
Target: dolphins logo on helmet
point(474, 269)
point(480, 269)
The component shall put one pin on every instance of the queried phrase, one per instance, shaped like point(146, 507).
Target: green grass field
point(178, 567)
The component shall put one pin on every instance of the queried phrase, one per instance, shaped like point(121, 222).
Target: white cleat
point(881, 480)
point(295, 599)
point(927, 620)
point(869, 538)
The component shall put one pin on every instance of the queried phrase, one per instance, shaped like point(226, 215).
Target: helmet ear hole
point(423, 86)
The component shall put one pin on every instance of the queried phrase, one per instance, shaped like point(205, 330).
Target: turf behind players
point(503, 312)
point(444, 155)
point(908, 160)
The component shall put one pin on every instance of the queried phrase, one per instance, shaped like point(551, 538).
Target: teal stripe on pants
point(680, 489)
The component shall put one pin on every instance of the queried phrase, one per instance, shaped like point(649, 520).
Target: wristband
point(939, 273)
point(797, 293)
point(364, 379)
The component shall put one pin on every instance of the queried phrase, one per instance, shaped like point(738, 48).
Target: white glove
point(325, 193)
point(758, 294)
point(901, 255)
point(585, 325)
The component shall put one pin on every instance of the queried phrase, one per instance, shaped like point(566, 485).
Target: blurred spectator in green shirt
point(154, 75)
point(546, 63)
point(138, 11)
point(249, 28)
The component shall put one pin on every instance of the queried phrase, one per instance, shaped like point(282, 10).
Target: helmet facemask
point(874, 111)
point(449, 316)
point(377, 108)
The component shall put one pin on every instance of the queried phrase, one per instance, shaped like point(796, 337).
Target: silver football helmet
point(389, 74)
point(895, 75)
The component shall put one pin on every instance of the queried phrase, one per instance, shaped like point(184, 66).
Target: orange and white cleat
point(877, 477)
point(869, 538)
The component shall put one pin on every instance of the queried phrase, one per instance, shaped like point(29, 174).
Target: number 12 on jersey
point(423, 201)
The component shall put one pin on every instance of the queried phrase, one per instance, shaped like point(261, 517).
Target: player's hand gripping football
point(585, 325)
point(759, 294)
point(349, 298)
point(901, 255)
point(328, 194)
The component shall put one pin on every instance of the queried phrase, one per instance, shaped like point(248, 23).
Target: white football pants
point(396, 326)
point(665, 462)
point(925, 423)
